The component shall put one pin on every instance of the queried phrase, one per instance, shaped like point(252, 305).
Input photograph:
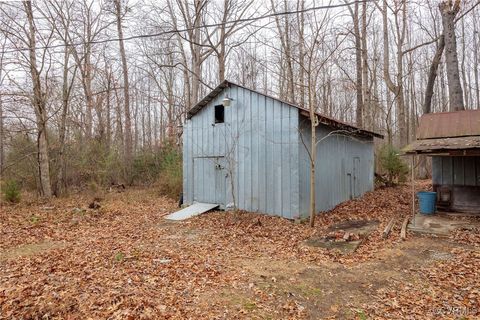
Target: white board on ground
point(192, 211)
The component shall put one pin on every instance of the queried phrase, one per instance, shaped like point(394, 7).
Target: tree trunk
point(61, 183)
point(313, 155)
point(401, 116)
point(87, 79)
point(432, 75)
point(301, 51)
point(358, 64)
point(126, 92)
point(475, 61)
point(2, 132)
point(288, 77)
point(2, 149)
point(395, 88)
point(366, 107)
point(455, 94)
point(196, 52)
point(40, 108)
point(289, 61)
point(221, 53)
point(108, 121)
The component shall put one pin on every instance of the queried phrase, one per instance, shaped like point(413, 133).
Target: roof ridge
point(226, 83)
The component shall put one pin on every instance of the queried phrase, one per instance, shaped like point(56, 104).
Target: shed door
point(209, 180)
point(356, 177)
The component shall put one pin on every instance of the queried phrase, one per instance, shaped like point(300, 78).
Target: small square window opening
point(219, 114)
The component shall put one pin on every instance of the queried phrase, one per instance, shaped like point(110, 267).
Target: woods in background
point(97, 91)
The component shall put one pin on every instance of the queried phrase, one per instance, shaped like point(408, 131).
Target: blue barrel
point(427, 201)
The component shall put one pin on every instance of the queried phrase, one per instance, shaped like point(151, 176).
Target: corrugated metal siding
point(462, 171)
point(336, 178)
point(461, 176)
point(259, 141)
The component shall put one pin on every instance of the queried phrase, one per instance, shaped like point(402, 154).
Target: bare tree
point(432, 74)
point(39, 103)
point(366, 106)
point(101, 111)
point(449, 10)
point(230, 11)
point(400, 17)
point(284, 31)
point(2, 131)
point(58, 14)
point(126, 89)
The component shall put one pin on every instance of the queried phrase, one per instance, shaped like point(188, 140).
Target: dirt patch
point(345, 236)
point(335, 290)
point(30, 249)
point(360, 227)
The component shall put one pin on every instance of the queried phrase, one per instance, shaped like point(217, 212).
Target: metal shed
point(452, 139)
point(252, 155)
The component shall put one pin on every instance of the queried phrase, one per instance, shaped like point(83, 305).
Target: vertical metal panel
point(461, 175)
point(447, 170)
point(263, 135)
point(255, 130)
point(335, 177)
point(277, 157)
point(458, 171)
point(270, 156)
point(437, 170)
point(477, 170)
point(241, 120)
point(186, 158)
point(461, 171)
point(246, 145)
point(469, 171)
point(262, 155)
point(293, 142)
point(304, 165)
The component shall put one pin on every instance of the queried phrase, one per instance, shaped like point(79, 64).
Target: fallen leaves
point(446, 290)
point(122, 260)
point(117, 262)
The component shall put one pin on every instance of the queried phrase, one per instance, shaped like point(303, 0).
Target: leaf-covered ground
point(59, 259)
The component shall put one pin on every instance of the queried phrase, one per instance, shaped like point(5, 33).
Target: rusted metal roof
point(442, 144)
point(322, 118)
point(449, 124)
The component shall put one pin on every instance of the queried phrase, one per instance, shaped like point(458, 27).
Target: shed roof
point(449, 124)
point(322, 118)
point(447, 132)
point(441, 145)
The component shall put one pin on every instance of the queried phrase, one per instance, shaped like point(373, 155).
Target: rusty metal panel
point(449, 124)
point(438, 144)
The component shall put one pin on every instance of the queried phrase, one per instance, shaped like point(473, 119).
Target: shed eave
point(209, 97)
point(470, 145)
point(322, 118)
point(351, 130)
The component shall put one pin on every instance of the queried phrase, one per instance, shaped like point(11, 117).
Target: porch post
point(413, 189)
